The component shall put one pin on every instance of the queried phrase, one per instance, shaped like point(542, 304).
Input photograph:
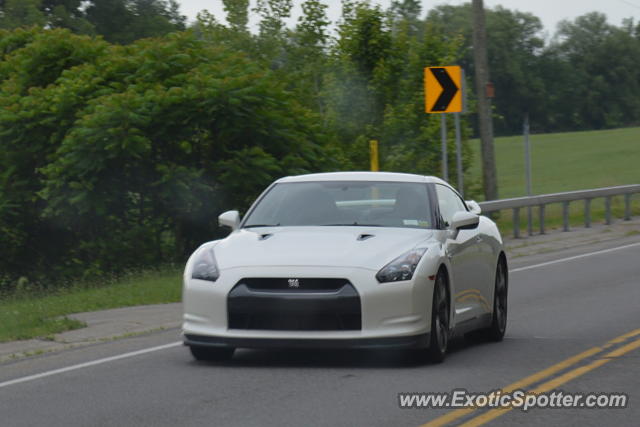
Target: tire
point(498, 327)
point(211, 353)
point(439, 337)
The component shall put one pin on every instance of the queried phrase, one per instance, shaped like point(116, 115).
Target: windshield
point(357, 203)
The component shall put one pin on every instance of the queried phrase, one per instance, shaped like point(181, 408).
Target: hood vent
point(365, 236)
point(264, 236)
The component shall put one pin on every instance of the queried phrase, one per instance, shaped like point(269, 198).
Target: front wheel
point(439, 337)
point(499, 320)
point(212, 354)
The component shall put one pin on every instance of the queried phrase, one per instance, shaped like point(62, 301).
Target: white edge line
point(571, 258)
point(88, 364)
point(177, 343)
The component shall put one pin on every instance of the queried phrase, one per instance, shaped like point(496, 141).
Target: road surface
point(560, 306)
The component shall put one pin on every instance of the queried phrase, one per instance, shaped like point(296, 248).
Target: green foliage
point(237, 14)
point(118, 21)
point(123, 21)
point(51, 13)
point(118, 152)
point(598, 89)
point(273, 14)
point(375, 87)
point(31, 124)
point(583, 79)
point(307, 63)
point(67, 14)
point(18, 13)
point(136, 148)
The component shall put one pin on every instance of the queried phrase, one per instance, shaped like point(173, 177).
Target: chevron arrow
point(449, 89)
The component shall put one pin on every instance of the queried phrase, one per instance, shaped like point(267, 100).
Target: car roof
point(362, 176)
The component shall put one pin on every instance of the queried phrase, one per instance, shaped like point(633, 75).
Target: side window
point(449, 203)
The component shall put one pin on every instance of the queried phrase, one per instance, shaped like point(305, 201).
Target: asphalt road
point(557, 310)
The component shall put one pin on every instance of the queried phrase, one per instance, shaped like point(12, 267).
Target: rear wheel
point(439, 337)
point(499, 321)
point(211, 353)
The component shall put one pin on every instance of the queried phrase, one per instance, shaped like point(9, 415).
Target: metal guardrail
point(541, 201)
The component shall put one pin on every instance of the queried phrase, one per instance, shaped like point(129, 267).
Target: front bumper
point(407, 342)
point(391, 315)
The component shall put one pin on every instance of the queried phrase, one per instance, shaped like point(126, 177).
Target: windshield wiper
point(261, 225)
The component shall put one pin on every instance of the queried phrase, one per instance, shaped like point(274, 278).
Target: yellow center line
point(624, 337)
point(623, 350)
point(556, 382)
point(537, 377)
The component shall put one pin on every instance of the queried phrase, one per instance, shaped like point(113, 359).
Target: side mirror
point(474, 207)
point(463, 220)
point(230, 219)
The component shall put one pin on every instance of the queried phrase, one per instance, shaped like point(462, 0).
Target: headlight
point(401, 268)
point(205, 266)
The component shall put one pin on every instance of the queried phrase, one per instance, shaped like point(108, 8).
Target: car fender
point(431, 262)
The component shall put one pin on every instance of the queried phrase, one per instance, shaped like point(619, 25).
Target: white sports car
point(347, 260)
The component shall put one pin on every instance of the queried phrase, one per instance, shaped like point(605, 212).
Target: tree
point(124, 21)
point(307, 63)
point(136, 148)
point(514, 47)
point(66, 14)
point(237, 14)
point(407, 12)
point(44, 13)
point(273, 14)
point(21, 13)
point(272, 43)
point(30, 129)
point(596, 89)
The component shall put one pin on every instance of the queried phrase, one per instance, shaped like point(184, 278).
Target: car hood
point(363, 247)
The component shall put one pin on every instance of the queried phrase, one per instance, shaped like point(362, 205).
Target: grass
point(29, 315)
point(565, 162)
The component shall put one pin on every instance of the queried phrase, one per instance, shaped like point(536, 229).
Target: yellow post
point(373, 152)
point(375, 166)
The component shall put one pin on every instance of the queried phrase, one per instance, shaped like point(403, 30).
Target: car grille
point(313, 284)
point(316, 305)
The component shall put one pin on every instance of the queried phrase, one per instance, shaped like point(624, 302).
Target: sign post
point(443, 135)
point(459, 155)
point(527, 166)
point(443, 88)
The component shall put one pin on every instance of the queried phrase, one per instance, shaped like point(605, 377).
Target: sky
point(549, 11)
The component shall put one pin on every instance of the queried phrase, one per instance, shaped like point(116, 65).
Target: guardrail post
point(565, 216)
point(529, 221)
point(607, 210)
point(627, 207)
point(587, 213)
point(541, 209)
point(516, 222)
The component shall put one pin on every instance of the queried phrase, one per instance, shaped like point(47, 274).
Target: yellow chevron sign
point(443, 89)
